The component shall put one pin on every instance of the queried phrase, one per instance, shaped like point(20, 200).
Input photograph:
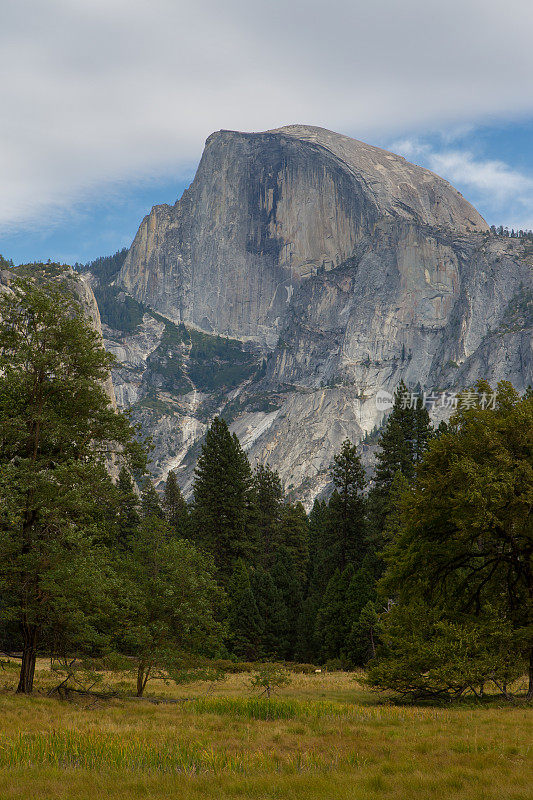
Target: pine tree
point(306, 644)
point(268, 508)
point(175, 507)
point(402, 444)
point(274, 641)
point(287, 579)
point(342, 536)
point(332, 625)
point(318, 522)
point(221, 514)
point(150, 502)
point(128, 517)
point(294, 535)
point(361, 591)
point(57, 427)
point(244, 621)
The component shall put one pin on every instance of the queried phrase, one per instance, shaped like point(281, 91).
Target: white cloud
point(504, 194)
point(97, 91)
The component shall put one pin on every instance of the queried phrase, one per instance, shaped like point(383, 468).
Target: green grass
point(324, 737)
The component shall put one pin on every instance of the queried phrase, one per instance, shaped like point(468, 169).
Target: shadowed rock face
point(267, 210)
point(350, 268)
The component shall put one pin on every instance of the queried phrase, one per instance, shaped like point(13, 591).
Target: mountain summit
point(341, 269)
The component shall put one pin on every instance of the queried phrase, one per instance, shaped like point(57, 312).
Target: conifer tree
point(295, 537)
point(245, 625)
point(175, 507)
point(402, 444)
point(221, 514)
point(274, 641)
point(342, 536)
point(360, 592)
point(268, 508)
point(128, 517)
point(150, 502)
point(318, 521)
point(58, 427)
point(287, 579)
point(332, 626)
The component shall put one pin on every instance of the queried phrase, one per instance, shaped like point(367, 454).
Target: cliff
point(341, 269)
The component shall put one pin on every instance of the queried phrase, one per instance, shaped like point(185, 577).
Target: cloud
point(96, 92)
point(504, 194)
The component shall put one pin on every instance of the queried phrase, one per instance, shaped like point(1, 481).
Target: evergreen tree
point(274, 641)
point(268, 508)
point(150, 502)
point(58, 427)
point(360, 592)
point(221, 515)
point(342, 529)
point(332, 626)
point(307, 644)
point(128, 517)
point(175, 507)
point(287, 580)
point(307, 648)
point(245, 625)
point(363, 638)
point(294, 535)
point(402, 444)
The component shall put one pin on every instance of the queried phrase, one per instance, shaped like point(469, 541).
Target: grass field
point(324, 737)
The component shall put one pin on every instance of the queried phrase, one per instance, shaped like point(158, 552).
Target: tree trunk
point(140, 680)
point(530, 687)
point(29, 655)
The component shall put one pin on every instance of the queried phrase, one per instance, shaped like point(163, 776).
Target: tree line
point(422, 574)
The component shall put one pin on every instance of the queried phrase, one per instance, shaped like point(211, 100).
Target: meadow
point(323, 737)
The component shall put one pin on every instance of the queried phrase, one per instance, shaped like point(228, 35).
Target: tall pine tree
point(221, 513)
point(128, 517)
point(267, 516)
point(150, 502)
point(245, 625)
point(175, 507)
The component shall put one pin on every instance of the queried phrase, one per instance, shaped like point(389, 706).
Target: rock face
point(266, 211)
point(348, 267)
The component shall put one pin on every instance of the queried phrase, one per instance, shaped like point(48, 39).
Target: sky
point(106, 104)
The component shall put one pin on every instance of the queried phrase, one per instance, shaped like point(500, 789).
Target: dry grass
point(324, 737)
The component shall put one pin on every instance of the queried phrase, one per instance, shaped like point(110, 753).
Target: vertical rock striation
point(350, 268)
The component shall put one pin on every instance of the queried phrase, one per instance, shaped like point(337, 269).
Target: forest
point(421, 573)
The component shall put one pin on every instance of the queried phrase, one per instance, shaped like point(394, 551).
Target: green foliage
point(222, 499)
point(428, 654)
point(174, 505)
point(244, 622)
point(294, 535)
point(267, 512)
point(128, 516)
point(105, 268)
point(464, 539)
point(402, 444)
point(273, 613)
point(150, 501)
point(58, 429)
point(270, 677)
point(117, 309)
point(170, 601)
point(286, 577)
point(332, 623)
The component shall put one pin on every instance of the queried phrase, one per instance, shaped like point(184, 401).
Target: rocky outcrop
point(349, 267)
point(266, 211)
